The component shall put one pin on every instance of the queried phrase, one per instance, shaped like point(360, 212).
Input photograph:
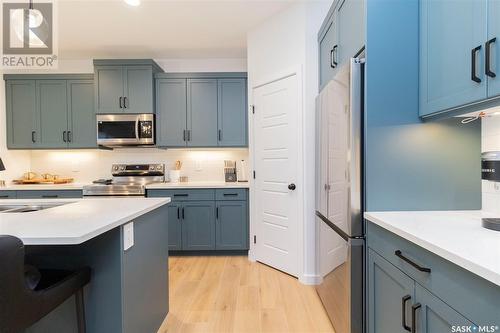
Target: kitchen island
point(122, 240)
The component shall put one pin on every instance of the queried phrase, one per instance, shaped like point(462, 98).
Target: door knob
point(292, 187)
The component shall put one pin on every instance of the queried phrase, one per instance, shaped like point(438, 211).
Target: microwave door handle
point(137, 129)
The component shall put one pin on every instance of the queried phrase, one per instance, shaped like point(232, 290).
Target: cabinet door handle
point(120, 102)
point(50, 196)
point(184, 135)
point(399, 254)
point(178, 213)
point(125, 102)
point(473, 75)
point(183, 213)
point(220, 135)
point(404, 300)
point(4, 196)
point(488, 70)
point(181, 195)
point(230, 194)
point(414, 309)
point(33, 136)
point(65, 137)
point(217, 212)
point(333, 57)
point(70, 136)
point(189, 135)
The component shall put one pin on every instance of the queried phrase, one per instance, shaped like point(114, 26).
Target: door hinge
point(254, 174)
point(253, 108)
point(254, 239)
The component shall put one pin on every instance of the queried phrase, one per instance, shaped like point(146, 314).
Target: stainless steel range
point(128, 180)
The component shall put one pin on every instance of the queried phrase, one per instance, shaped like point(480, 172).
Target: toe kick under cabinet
point(413, 290)
point(206, 219)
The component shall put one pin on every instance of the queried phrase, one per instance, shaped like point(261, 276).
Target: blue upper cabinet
point(232, 112)
point(171, 99)
point(81, 114)
point(125, 86)
point(22, 115)
point(202, 112)
point(452, 54)
point(351, 29)
point(52, 103)
point(492, 48)
point(328, 47)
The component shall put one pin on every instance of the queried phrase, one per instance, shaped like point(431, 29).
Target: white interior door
point(276, 149)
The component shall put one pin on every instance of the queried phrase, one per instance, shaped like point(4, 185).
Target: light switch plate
point(128, 236)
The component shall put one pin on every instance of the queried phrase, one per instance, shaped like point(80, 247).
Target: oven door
point(125, 130)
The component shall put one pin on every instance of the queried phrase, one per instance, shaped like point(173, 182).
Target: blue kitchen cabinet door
point(328, 52)
point(171, 108)
point(109, 89)
point(387, 286)
point(202, 112)
point(231, 229)
point(22, 114)
point(138, 88)
point(198, 225)
point(81, 114)
point(232, 112)
point(52, 105)
point(494, 44)
point(449, 32)
point(435, 316)
point(351, 29)
point(174, 226)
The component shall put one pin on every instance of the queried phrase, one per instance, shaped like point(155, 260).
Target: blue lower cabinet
point(231, 229)
point(435, 316)
point(49, 194)
point(174, 226)
point(8, 194)
point(198, 225)
point(388, 290)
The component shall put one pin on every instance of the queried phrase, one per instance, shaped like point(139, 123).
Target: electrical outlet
point(128, 236)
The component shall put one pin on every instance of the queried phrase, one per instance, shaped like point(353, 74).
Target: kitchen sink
point(23, 208)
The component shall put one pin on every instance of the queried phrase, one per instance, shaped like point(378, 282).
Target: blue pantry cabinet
point(125, 85)
point(207, 219)
point(201, 110)
point(50, 111)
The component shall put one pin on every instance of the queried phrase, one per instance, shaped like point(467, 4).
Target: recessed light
point(134, 3)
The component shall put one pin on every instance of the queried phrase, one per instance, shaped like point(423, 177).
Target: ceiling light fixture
point(134, 3)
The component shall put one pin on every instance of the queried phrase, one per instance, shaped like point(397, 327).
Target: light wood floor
point(232, 294)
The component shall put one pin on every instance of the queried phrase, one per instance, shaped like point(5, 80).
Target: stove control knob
point(122, 168)
point(151, 168)
point(159, 167)
point(115, 168)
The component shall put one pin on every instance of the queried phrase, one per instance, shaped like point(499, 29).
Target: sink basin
point(28, 208)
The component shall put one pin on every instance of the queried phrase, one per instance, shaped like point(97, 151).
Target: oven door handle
point(137, 129)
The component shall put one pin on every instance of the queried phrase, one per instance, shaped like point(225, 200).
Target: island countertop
point(75, 222)
point(456, 236)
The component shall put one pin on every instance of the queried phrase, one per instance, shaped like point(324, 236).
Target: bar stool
point(28, 294)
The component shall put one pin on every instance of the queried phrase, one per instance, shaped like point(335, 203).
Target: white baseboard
point(310, 279)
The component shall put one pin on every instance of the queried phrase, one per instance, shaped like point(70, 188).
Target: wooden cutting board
point(43, 181)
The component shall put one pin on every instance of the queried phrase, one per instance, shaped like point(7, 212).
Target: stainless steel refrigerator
point(339, 197)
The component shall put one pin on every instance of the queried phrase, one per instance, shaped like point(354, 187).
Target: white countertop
point(457, 236)
point(75, 222)
point(212, 184)
point(79, 186)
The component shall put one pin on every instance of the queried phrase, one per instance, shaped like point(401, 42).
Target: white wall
point(281, 45)
point(490, 141)
point(89, 165)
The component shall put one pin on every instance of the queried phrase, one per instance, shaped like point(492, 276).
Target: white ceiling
point(160, 29)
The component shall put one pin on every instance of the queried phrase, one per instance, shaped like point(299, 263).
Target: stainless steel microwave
point(116, 130)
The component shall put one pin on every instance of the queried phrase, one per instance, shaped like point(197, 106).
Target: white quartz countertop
point(456, 236)
point(43, 187)
point(75, 222)
point(208, 184)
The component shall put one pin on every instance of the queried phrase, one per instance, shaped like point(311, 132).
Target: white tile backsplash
point(490, 141)
point(88, 165)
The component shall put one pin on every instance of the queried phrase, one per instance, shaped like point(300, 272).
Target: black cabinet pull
point(189, 135)
point(333, 57)
point(50, 196)
point(230, 194)
point(414, 309)
point(403, 312)
point(217, 212)
point(4, 196)
point(183, 213)
point(220, 135)
point(399, 254)
point(184, 138)
point(473, 75)
point(125, 99)
point(120, 102)
point(181, 195)
point(488, 70)
point(65, 137)
point(70, 136)
point(178, 213)
point(33, 136)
